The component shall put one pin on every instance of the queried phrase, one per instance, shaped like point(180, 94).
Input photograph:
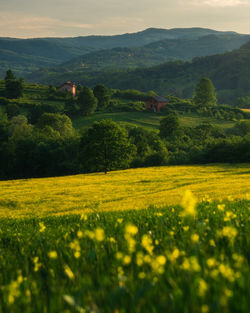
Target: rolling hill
point(230, 73)
point(155, 53)
point(27, 55)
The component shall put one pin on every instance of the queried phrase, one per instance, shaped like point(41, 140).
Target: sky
point(67, 18)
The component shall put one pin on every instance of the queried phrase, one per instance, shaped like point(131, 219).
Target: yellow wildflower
point(226, 272)
point(229, 232)
point(75, 246)
point(204, 308)
point(112, 240)
point(211, 262)
point(174, 255)
point(84, 217)
point(147, 244)
point(142, 275)
point(139, 258)
point(99, 234)
point(189, 204)
point(161, 259)
point(212, 243)
point(79, 234)
point(119, 255)
point(158, 214)
point(131, 229)
point(126, 259)
point(195, 238)
point(69, 272)
point(37, 265)
point(202, 287)
point(90, 234)
point(42, 227)
point(221, 207)
point(52, 254)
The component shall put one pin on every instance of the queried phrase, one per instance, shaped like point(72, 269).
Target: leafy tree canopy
point(102, 94)
point(13, 87)
point(87, 101)
point(169, 125)
point(60, 123)
point(105, 147)
point(205, 93)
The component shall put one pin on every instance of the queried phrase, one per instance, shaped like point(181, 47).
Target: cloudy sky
point(50, 18)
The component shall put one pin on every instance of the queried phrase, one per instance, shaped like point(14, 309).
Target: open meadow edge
point(122, 190)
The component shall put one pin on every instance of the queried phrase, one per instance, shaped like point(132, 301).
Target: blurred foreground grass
point(171, 259)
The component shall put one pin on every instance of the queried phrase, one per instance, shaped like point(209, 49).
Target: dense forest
point(37, 137)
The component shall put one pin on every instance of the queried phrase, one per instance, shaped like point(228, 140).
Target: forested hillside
point(27, 55)
point(155, 53)
point(45, 132)
point(230, 73)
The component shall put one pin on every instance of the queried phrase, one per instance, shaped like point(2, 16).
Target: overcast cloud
point(43, 18)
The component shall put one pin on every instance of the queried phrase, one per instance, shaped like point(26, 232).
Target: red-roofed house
point(69, 86)
point(156, 103)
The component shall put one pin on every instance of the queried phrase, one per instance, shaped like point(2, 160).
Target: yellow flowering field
point(186, 258)
point(122, 190)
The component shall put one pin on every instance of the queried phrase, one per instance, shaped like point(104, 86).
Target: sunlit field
point(174, 259)
point(166, 239)
point(122, 190)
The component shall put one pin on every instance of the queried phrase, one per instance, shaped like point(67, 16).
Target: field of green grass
point(147, 120)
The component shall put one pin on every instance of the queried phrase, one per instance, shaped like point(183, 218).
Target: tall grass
point(174, 259)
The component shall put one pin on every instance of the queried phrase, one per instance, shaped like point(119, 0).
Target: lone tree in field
point(106, 147)
point(205, 95)
point(87, 101)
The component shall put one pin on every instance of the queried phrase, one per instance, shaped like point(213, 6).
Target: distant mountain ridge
point(155, 53)
point(27, 55)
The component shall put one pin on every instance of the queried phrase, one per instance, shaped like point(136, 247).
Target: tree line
point(46, 144)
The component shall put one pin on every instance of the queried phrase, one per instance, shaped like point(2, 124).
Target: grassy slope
point(150, 121)
point(121, 190)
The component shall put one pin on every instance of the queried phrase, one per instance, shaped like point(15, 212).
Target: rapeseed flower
point(173, 256)
point(131, 229)
point(221, 207)
point(147, 243)
point(195, 238)
point(203, 287)
point(69, 272)
point(189, 204)
point(52, 254)
point(42, 227)
point(99, 234)
point(229, 232)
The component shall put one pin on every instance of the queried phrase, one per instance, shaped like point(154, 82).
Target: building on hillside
point(156, 103)
point(69, 86)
